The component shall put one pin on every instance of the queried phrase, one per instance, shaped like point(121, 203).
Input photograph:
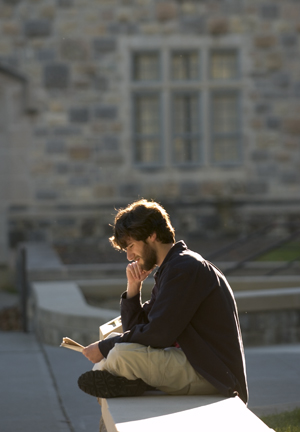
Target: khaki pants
point(165, 369)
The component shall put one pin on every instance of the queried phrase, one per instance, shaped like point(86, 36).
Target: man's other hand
point(93, 353)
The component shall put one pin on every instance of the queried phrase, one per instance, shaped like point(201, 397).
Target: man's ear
point(152, 237)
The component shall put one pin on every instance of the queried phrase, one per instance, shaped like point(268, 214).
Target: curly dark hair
point(139, 220)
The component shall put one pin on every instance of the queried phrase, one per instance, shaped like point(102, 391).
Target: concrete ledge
point(268, 299)
point(178, 413)
point(61, 310)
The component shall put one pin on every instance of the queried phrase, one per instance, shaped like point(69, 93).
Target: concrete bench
point(156, 411)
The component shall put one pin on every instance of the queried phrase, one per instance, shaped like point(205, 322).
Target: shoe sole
point(105, 385)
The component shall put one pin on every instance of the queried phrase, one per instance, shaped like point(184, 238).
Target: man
point(186, 339)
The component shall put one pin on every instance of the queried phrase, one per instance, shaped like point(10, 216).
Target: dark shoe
point(105, 385)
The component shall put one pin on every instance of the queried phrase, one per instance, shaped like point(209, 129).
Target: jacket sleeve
point(133, 312)
point(179, 296)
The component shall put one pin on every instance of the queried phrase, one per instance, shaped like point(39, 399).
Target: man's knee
point(120, 354)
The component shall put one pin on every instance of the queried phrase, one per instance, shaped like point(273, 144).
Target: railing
point(22, 285)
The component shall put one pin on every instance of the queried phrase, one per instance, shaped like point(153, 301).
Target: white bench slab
point(161, 413)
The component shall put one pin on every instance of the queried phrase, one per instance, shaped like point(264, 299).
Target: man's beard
point(149, 258)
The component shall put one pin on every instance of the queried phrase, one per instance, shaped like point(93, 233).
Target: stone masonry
point(71, 137)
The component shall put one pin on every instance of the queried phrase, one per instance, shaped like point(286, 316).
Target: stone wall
point(74, 54)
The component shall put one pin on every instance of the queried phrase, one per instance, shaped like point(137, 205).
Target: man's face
point(141, 252)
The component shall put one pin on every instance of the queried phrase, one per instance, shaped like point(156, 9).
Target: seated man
point(186, 340)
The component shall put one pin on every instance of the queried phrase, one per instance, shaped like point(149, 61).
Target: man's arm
point(135, 277)
point(132, 310)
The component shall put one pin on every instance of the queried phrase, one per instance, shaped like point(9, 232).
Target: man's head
point(139, 221)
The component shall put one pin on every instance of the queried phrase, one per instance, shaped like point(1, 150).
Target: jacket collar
point(175, 249)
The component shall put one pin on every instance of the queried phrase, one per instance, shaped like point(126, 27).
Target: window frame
point(135, 53)
point(166, 86)
point(238, 65)
point(199, 134)
point(136, 162)
point(185, 51)
point(237, 134)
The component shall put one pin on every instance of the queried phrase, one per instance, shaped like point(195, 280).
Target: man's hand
point(93, 353)
point(135, 277)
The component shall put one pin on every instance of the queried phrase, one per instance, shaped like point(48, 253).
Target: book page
point(71, 344)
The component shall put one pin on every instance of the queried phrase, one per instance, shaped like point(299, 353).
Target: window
point(184, 65)
point(146, 117)
point(146, 66)
point(186, 105)
point(225, 133)
point(224, 65)
point(186, 135)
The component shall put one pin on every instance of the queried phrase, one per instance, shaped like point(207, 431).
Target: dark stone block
point(79, 181)
point(210, 222)
point(18, 208)
point(282, 79)
point(65, 222)
point(260, 155)
point(123, 28)
point(73, 49)
point(41, 132)
point(267, 170)
point(110, 158)
point(62, 168)
point(273, 123)
point(56, 76)
point(55, 146)
point(78, 168)
point(106, 112)
point(15, 237)
point(104, 45)
point(296, 91)
point(10, 61)
point(79, 115)
point(44, 223)
point(111, 143)
point(218, 26)
point(193, 24)
point(88, 228)
point(129, 190)
point(262, 108)
point(46, 195)
point(65, 3)
point(45, 55)
point(289, 40)
point(11, 2)
point(100, 83)
point(256, 188)
point(269, 11)
point(37, 235)
point(37, 28)
point(290, 177)
point(67, 131)
point(189, 189)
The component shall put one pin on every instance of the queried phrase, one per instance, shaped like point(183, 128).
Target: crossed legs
point(166, 369)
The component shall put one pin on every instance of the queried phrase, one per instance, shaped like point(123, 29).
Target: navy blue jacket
point(193, 305)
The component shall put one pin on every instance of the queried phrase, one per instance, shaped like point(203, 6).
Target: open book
point(71, 344)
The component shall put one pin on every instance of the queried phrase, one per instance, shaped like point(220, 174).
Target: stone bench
point(156, 411)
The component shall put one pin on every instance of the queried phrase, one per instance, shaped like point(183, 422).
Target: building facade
point(192, 103)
